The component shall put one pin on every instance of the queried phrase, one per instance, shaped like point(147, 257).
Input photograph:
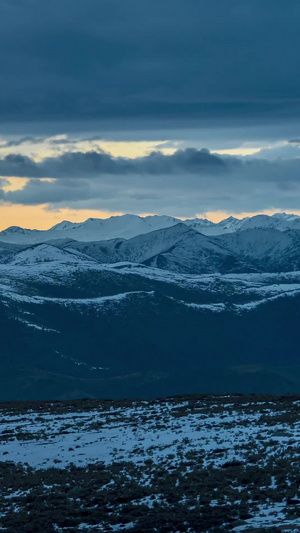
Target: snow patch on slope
point(44, 253)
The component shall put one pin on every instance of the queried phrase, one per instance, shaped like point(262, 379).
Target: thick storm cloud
point(173, 60)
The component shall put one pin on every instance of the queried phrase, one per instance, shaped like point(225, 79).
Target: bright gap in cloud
point(16, 184)
point(237, 151)
point(57, 145)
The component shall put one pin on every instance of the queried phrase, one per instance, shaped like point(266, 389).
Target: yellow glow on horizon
point(41, 217)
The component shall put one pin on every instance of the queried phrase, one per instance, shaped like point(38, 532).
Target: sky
point(179, 107)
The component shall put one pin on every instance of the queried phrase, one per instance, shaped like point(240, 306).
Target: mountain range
point(177, 248)
point(128, 226)
point(168, 311)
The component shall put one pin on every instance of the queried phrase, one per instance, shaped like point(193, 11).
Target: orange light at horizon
point(41, 217)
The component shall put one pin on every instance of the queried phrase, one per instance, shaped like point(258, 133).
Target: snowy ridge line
point(99, 300)
point(254, 280)
point(277, 288)
point(216, 308)
point(220, 307)
point(58, 270)
point(251, 305)
point(59, 264)
point(209, 283)
point(128, 226)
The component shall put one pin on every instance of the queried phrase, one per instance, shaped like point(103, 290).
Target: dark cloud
point(171, 61)
point(19, 166)
point(188, 182)
point(174, 70)
point(90, 164)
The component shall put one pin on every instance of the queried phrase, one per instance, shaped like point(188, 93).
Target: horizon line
point(215, 217)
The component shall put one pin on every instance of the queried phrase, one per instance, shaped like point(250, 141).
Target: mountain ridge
point(128, 226)
point(179, 248)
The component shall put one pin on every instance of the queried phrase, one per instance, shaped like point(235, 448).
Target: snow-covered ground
point(140, 432)
point(237, 441)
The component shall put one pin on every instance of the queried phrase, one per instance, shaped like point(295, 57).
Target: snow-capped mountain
point(196, 253)
point(128, 226)
point(279, 221)
point(209, 228)
point(268, 249)
point(200, 224)
point(179, 248)
point(137, 249)
point(93, 229)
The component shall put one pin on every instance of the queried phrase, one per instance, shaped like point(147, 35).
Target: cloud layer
point(172, 60)
point(230, 70)
point(188, 182)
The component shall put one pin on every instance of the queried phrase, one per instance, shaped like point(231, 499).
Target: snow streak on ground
point(16, 282)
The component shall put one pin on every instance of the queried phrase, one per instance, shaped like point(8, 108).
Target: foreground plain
point(192, 463)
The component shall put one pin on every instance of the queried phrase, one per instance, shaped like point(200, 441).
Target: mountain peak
point(65, 225)
point(229, 219)
point(44, 253)
point(15, 229)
